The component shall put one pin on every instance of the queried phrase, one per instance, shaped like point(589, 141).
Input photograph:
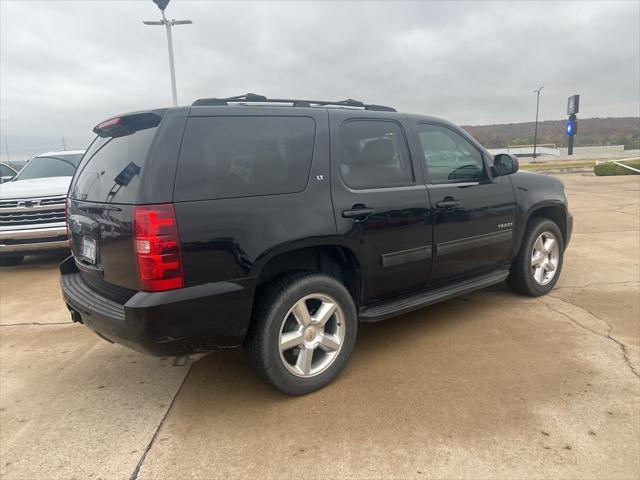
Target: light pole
point(535, 133)
point(162, 4)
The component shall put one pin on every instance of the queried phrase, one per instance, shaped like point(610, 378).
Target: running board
point(398, 306)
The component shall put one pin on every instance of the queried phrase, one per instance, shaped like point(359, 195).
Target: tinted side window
point(374, 154)
point(224, 157)
point(6, 171)
point(110, 170)
point(449, 156)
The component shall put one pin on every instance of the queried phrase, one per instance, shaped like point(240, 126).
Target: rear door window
point(225, 157)
point(374, 154)
point(110, 170)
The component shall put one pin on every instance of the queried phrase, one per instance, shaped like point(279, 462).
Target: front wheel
point(302, 334)
point(537, 267)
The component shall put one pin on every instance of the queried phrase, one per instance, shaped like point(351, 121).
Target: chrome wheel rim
point(544, 258)
point(311, 335)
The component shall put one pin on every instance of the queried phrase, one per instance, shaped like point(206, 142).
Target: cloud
point(65, 66)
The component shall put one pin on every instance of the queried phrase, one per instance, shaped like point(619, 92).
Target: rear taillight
point(157, 248)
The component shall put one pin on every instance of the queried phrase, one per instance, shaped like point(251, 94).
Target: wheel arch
point(554, 211)
point(331, 259)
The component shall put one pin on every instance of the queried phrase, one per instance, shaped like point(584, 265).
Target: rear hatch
point(101, 202)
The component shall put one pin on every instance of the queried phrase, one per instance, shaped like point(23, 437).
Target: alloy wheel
point(311, 335)
point(544, 258)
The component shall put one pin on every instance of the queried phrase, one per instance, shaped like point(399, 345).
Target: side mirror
point(6, 178)
point(505, 164)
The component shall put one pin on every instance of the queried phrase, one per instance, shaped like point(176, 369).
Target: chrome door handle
point(448, 203)
point(358, 212)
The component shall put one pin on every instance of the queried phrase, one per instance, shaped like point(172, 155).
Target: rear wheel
point(537, 267)
point(302, 333)
point(11, 261)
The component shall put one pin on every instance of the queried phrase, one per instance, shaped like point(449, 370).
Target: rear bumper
point(172, 323)
point(34, 239)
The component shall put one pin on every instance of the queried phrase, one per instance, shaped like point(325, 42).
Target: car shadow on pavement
point(227, 368)
point(46, 260)
point(469, 335)
point(472, 369)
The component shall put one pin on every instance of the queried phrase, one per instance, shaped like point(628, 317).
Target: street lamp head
point(162, 4)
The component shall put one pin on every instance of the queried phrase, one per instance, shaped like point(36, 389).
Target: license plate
point(89, 249)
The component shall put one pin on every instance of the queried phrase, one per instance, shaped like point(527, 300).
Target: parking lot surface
point(489, 385)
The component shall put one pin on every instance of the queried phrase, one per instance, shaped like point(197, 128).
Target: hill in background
point(591, 131)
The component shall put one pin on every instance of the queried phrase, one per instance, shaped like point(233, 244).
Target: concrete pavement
point(490, 385)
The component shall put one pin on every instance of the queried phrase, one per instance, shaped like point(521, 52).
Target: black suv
point(279, 224)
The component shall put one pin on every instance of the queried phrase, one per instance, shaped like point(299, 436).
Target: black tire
point(261, 347)
point(11, 261)
point(521, 279)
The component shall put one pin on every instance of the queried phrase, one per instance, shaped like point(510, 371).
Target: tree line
point(591, 131)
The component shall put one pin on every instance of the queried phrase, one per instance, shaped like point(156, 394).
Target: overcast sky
point(67, 65)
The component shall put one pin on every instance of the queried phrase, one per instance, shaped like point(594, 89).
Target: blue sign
point(569, 127)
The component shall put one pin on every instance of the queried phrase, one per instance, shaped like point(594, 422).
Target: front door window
point(449, 157)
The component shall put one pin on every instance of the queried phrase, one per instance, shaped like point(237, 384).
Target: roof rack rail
point(254, 98)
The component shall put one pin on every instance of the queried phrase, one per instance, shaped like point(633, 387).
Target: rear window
point(224, 157)
point(50, 166)
point(111, 168)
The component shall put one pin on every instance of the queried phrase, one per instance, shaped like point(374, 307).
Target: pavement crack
point(588, 285)
point(604, 231)
point(135, 473)
point(34, 323)
point(623, 348)
point(627, 213)
point(619, 209)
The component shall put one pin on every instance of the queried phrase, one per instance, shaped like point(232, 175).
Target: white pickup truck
point(32, 206)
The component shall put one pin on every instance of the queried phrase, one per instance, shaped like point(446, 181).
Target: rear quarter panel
point(233, 238)
point(159, 169)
